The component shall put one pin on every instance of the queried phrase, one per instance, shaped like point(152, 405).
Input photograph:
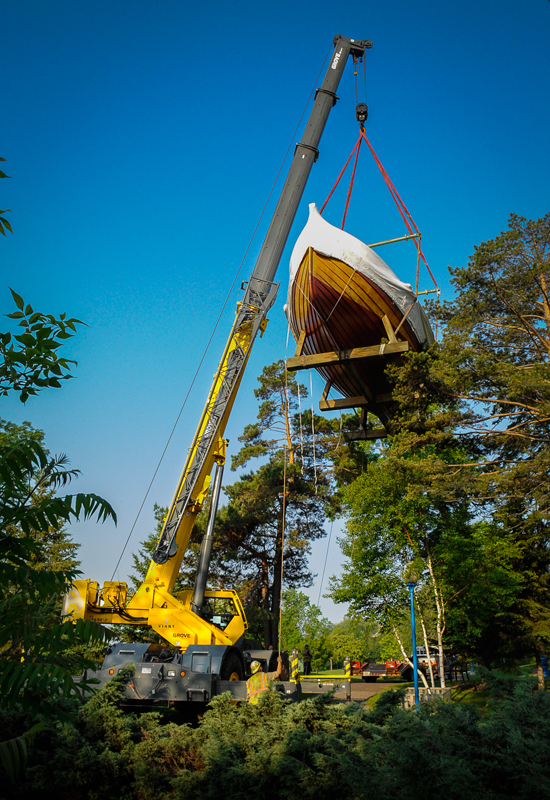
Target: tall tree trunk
point(265, 603)
point(546, 307)
point(540, 674)
point(407, 659)
point(428, 656)
point(289, 444)
point(276, 591)
point(440, 607)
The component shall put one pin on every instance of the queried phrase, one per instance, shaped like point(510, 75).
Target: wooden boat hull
point(341, 305)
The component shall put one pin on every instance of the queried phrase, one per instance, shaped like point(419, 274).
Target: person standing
point(306, 658)
point(259, 681)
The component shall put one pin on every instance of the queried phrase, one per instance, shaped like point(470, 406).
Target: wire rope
point(279, 641)
point(325, 564)
point(313, 432)
point(218, 319)
point(301, 428)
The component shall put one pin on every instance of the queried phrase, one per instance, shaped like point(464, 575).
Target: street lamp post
point(411, 586)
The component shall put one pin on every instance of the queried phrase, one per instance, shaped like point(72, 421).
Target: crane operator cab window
point(219, 611)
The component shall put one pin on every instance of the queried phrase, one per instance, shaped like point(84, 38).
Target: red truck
point(370, 672)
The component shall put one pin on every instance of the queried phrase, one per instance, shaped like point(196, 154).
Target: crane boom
point(179, 619)
point(260, 295)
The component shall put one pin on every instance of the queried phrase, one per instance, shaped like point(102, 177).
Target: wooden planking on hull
point(340, 309)
point(343, 300)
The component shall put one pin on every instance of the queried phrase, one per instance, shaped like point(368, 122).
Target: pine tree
point(473, 414)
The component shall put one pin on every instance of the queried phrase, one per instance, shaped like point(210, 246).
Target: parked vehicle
point(391, 669)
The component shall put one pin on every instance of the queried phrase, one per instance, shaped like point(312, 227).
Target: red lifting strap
point(403, 210)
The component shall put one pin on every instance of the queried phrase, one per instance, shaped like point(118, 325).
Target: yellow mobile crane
point(204, 629)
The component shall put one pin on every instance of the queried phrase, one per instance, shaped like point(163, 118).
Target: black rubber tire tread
point(230, 664)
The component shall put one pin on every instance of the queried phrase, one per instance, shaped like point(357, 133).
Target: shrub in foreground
point(315, 749)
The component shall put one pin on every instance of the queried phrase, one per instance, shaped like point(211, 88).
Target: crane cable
point(219, 318)
point(283, 520)
point(313, 432)
point(325, 564)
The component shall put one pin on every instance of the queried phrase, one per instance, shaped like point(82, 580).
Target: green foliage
point(495, 361)
point(464, 480)
point(14, 752)
point(4, 224)
point(303, 623)
point(37, 658)
point(355, 639)
point(39, 655)
point(28, 360)
point(313, 749)
point(397, 513)
point(389, 646)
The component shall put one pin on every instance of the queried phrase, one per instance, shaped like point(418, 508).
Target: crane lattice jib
point(191, 488)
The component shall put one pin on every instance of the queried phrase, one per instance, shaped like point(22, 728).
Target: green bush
point(315, 749)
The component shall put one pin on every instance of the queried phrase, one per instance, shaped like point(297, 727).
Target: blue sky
point(142, 140)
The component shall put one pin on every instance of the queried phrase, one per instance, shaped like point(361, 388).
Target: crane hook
point(361, 113)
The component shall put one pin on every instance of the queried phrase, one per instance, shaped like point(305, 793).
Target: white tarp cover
point(336, 243)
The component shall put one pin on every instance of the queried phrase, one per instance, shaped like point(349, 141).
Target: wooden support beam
point(371, 433)
point(345, 402)
point(326, 390)
point(300, 344)
point(341, 356)
point(399, 239)
point(389, 328)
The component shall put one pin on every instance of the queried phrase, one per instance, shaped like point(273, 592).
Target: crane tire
point(232, 668)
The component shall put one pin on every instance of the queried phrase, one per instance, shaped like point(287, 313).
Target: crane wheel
point(232, 669)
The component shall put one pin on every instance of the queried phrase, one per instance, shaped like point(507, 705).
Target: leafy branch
point(28, 360)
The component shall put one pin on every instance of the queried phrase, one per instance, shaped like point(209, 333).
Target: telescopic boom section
point(179, 618)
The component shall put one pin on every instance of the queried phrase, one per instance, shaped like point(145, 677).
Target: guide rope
point(348, 198)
